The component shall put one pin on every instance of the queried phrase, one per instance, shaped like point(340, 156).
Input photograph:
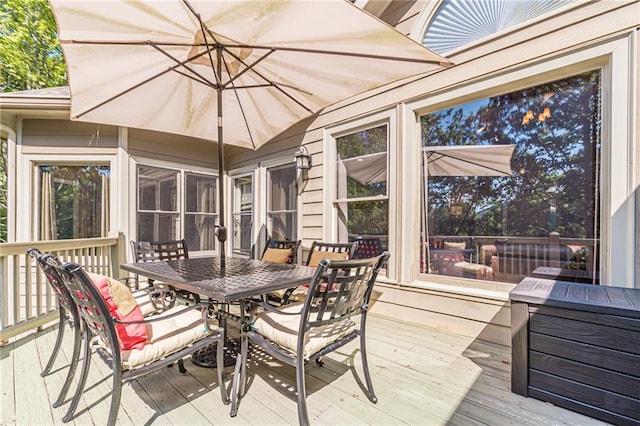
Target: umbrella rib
point(285, 49)
point(352, 54)
point(153, 77)
point(202, 79)
point(124, 92)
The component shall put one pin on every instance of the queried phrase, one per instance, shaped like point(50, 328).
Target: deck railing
point(513, 258)
point(26, 299)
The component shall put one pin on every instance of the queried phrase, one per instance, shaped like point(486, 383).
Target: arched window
point(460, 22)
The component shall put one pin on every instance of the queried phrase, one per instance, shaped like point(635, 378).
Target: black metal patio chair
point(68, 314)
point(318, 251)
point(153, 251)
point(302, 332)
point(173, 335)
point(281, 251)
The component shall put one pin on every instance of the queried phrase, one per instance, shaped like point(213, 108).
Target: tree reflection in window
point(556, 130)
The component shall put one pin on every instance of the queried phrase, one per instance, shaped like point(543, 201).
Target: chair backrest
point(329, 250)
point(53, 278)
point(91, 305)
point(283, 245)
point(150, 251)
point(340, 290)
point(367, 248)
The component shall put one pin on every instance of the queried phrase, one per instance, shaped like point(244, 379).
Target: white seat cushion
point(283, 330)
point(298, 295)
point(167, 336)
point(144, 302)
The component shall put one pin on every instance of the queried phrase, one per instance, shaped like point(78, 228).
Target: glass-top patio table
point(228, 279)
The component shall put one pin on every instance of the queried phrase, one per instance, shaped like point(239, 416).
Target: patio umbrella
point(468, 160)
point(367, 169)
point(463, 160)
point(175, 65)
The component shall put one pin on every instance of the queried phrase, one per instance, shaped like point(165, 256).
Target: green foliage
point(30, 51)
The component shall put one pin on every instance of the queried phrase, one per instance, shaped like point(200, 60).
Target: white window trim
point(27, 176)
point(615, 58)
point(256, 179)
point(330, 218)
point(260, 199)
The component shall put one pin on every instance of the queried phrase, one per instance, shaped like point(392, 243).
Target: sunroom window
point(282, 202)
point(74, 201)
point(161, 211)
point(544, 212)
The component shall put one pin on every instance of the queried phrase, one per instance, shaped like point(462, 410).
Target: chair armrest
point(204, 307)
point(274, 309)
point(161, 298)
point(131, 282)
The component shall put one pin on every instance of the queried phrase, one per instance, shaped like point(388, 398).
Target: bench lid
point(584, 297)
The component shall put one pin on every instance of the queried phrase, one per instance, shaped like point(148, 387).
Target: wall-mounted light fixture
point(303, 159)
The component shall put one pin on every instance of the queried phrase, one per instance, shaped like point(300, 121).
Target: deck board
point(421, 375)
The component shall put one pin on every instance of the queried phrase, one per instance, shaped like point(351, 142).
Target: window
point(461, 22)
point(546, 213)
point(160, 211)
point(242, 214)
point(200, 211)
point(74, 201)
point(282, 202)
point(362, 199)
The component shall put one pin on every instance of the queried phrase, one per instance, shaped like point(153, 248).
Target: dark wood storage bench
point(577, 346)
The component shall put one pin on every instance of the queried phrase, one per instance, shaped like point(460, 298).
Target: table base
point(206, 357)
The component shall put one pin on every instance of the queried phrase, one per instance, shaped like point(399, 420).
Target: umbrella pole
point(222, 230)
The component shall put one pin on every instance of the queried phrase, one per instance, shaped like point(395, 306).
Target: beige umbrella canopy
point(367, 169)
point(468, 160)
point(175, 66)
point(463, 160)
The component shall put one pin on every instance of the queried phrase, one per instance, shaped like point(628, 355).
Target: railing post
point(4, 292)
point(118, 255)
point(554, 249)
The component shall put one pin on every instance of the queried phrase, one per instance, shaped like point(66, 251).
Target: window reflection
point(546, 212)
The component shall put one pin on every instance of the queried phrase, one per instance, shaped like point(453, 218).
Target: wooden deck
point(422, 376)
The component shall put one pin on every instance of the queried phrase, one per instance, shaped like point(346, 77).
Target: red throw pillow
point(130, 336)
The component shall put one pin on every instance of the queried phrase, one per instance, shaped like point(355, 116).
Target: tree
point(31, 59)
point(31, 54)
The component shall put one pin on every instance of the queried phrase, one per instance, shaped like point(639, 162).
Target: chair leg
point(303, 417)
point(86, 363)
point(244, 350)
point(220, 368)
point(56, 347)
point(116, 394)
point(181, 367)
point(75, 357)
point(367, 377)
